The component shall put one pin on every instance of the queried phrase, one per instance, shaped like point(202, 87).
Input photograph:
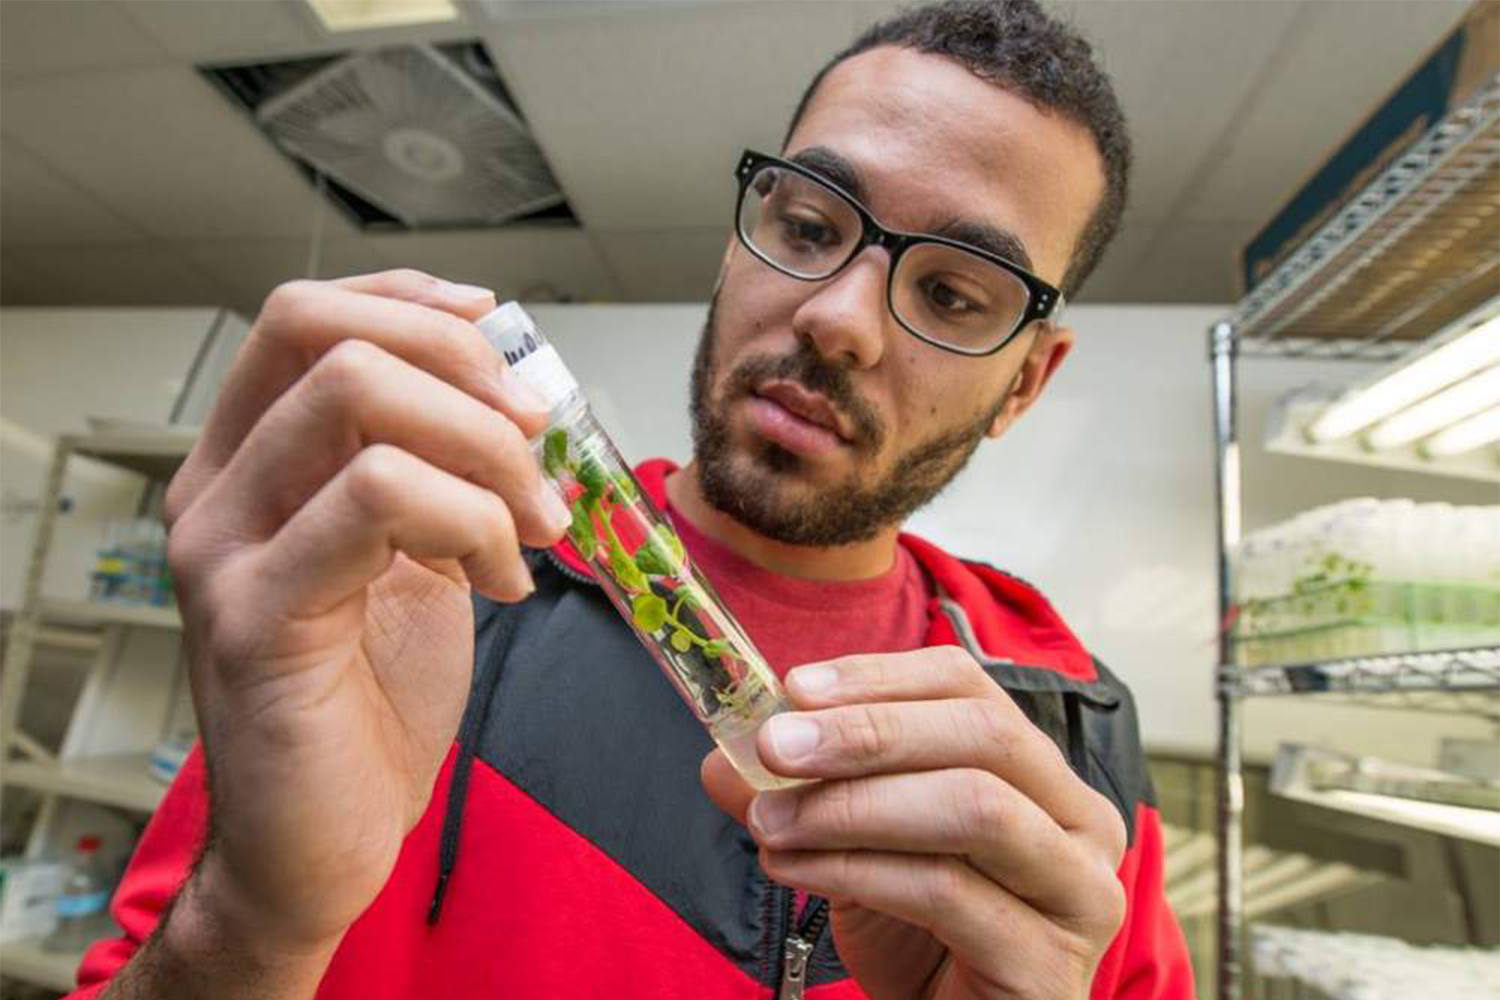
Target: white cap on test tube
point(515, 336)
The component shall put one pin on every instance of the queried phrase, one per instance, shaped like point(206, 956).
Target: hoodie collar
point(1002, 620)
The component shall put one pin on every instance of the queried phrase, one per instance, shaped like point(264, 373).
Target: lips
point(805, 405)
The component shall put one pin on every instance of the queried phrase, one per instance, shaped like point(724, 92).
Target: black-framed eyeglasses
point(950, 294)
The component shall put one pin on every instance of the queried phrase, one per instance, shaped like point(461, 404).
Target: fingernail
point(465, 293)
point(772, 812)
point(524, 585)
point(555, 510)
point(815, 679)
point(793, 736)
point(517, 393)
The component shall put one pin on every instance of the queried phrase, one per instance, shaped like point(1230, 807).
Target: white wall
point(1102, 497)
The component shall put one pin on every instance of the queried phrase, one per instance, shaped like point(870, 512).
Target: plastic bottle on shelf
point(158, 577)
point(109, 567)
point(81, 907)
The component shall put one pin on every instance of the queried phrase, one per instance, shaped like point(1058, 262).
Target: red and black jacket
point(569, 850)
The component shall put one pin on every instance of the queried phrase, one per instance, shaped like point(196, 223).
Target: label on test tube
point(530, 355)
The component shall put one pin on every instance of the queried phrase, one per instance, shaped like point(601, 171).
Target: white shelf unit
point(1331, 300)
point(120, 779)
point(1274, 880)
point(59, 610)
point(29, 962)
point(104, 753)
point(1482, 826)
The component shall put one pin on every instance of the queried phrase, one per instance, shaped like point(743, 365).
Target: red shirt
point(794, 621)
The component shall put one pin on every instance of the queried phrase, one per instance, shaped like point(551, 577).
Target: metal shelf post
point(1231, 791)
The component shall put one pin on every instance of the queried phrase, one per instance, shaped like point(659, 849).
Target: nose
point(846, 316)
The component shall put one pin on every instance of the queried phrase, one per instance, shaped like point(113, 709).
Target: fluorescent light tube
point(1475, 432)
point(1467, 353)
point(360, 15)
point(1463, 399)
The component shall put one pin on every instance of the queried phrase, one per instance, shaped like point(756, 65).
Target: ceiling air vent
point(415, 136)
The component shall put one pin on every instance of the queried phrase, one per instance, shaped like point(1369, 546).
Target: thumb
point(725, 786)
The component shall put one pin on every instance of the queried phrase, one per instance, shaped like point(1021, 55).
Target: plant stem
point(672, 617)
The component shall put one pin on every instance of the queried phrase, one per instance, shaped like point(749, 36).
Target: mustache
point(815, 374)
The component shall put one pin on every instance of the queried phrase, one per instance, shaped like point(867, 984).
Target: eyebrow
point(992, 239)
point(832, 167)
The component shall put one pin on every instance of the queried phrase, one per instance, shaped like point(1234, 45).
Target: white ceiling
point(125, 178)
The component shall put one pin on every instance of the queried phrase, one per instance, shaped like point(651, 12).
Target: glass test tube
point(640, 562)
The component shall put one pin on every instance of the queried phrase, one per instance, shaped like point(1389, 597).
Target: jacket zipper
point(798, 946)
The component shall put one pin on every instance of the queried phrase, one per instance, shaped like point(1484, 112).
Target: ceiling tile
point(1180, 70)
point(644, 117)
point(16, 279)
point(534, 263)
point(38, 205)
point(257, 30)
point(642, 110)
point(249, 269)
point(48, 36)
point(526, 10)
point(117, 274)
point(226, 28)
point(667, 266)
point(1110, 281)
point(1186, 262)
point(1337, 69)
point(165, 150)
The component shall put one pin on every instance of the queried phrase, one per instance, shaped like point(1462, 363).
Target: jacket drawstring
point(470, 738)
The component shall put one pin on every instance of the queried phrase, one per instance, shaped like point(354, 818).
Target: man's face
point(817, 419)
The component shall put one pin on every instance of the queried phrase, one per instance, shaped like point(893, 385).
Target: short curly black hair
point(1019, 46)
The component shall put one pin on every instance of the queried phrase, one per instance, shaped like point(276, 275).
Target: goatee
point(758, 488)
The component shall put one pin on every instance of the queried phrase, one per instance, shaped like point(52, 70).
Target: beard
point(758, 488)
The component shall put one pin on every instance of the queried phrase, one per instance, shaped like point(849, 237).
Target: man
point(981, 827)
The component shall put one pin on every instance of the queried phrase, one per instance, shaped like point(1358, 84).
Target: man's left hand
point(962, 857)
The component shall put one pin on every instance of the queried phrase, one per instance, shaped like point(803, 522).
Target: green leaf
point(688, 594)
point(682, 641)
point(593, 477)
point(555, 452)
point(715, 648)
point(661, 553)
point(625, 491)
point(679, 554)
point(649, 612)
point(652, 558)
point(649, 561)
point(581, 532)
point(624, 569)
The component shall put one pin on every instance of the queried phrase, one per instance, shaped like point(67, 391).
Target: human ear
point(1045, 355)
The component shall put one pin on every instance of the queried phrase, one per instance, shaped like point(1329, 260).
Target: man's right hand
point(365, 465)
